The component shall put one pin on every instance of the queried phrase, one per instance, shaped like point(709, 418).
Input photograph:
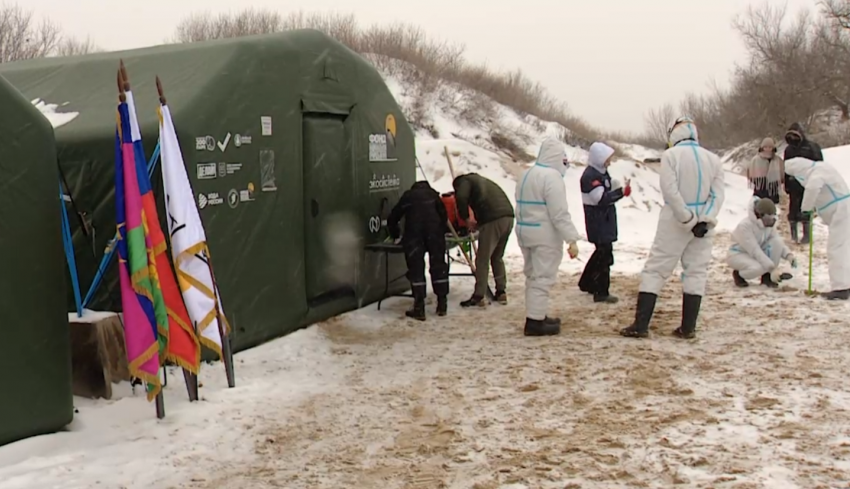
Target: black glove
point(700, 229)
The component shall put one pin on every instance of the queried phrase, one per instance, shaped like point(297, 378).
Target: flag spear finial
point(124, 76)
point(122, 96)
point(159, 90)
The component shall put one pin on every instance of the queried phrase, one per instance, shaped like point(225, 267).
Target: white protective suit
point(757, 249)
point(543, 225)
point(827, 193)
point(692, 185)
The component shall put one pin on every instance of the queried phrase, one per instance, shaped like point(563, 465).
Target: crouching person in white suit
point(757, 247)
point(692, 186)
point(827, 193)
point(543, 225)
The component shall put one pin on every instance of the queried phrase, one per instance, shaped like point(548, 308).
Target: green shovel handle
point(811, 249)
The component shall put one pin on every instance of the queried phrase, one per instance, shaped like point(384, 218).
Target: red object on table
point(451, 209)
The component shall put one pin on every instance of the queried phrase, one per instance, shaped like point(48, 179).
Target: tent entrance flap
point(330, 233)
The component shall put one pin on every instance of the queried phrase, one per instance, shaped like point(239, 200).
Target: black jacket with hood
point(804, 149)
point(423, 211)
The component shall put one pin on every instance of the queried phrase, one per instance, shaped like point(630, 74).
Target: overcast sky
point(610, 60)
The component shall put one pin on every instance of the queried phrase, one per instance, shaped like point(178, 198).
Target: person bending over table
point(425, 231)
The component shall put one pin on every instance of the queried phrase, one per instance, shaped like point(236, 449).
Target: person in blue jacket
point(599, 193)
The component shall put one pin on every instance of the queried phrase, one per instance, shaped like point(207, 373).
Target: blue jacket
point(600, 214)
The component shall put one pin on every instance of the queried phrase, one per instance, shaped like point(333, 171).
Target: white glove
point(615, 184)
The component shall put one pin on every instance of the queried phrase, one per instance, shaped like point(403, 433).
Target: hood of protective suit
point(552, 154)
point(683, 131)
point(598, 155)
point(799, 168)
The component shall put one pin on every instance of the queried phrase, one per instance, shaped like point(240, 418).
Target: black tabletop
point(385, 247)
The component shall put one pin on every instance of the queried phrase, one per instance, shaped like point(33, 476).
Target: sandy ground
point(757, 400)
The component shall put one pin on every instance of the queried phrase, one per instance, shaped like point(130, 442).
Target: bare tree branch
point(22, 37)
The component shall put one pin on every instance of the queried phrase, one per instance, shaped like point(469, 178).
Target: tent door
point(329, 232)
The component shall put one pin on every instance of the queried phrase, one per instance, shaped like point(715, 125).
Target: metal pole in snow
point(226, 351)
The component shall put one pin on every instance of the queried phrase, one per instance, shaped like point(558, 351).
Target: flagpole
point(226, 351)
point(123, 87)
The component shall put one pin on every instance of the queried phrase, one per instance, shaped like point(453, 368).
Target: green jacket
point(487, 199)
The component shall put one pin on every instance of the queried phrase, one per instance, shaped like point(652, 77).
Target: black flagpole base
point(227, 352)
point(160, 406)
point(191, 385)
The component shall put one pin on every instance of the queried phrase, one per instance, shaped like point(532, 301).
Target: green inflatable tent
point(296, 151)
point(36, 358)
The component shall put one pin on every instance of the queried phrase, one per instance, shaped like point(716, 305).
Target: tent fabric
point(294, 147)
point(36, 361)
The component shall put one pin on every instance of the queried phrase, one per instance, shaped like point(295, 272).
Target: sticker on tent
point(266, 122)
point(210, 199)
point(233, 198)
point(382, 146)
point(247, 195)
point(267, 180)
point(205, 143)
point(384, 183)
point(206, 171)
point(240, 139)
point(375, 224)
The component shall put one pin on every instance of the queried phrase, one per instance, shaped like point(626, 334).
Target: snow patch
point(57, 119)
point(90, 316)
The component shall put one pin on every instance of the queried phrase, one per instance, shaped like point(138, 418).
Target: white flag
point(188, 240)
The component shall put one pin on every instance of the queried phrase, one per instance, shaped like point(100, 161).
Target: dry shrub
point(406, 52)
point(509, 145)
point(796, 71)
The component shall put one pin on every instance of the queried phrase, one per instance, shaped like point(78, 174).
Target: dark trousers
point(795, 201)
point(414, 254)
point(596, 277)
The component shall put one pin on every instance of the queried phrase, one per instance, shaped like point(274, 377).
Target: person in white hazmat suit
point(692, 181)
point(543, 226)
point(826, 193)
point(757, 247)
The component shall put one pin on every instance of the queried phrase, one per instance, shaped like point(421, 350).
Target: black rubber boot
point(418, 310)
point(643, 314)
point(535, 327)
point(442, 305)
point(549, 320)
point(739, 280)
point(795, 237)
point(807, 231)
point(837, 295)
point(608, 298)
point(690, 312)
point(768, 282)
